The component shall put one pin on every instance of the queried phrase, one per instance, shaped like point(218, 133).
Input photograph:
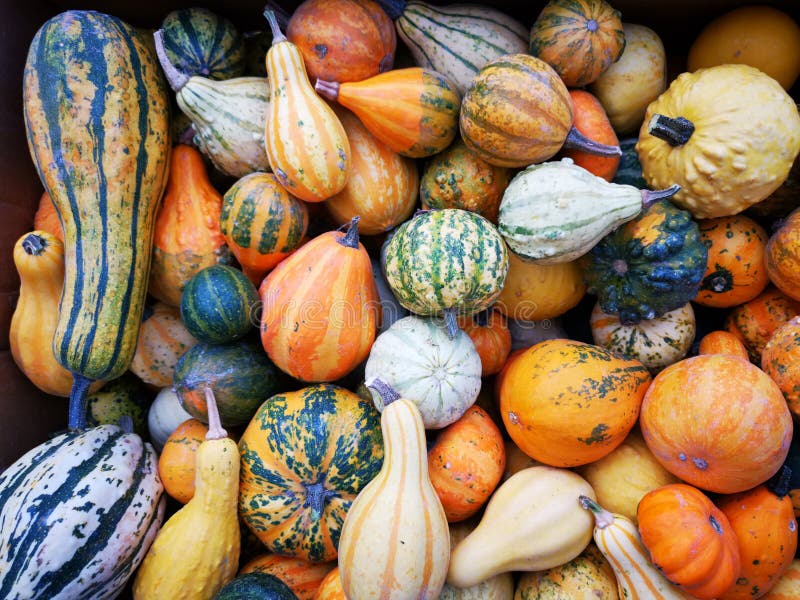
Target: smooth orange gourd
point(302, 576)
point(178, 458)
point(722, 342)
point(590, 119)
point(490, 334)
point(755, 321)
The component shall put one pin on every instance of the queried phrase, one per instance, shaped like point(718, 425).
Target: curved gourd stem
point(175, 78)
point(781, 483)
point(388, 393)
point(602, 518)
point(277, 34)
point(126, 423)
point(393, 8)
point(215, 430)
point(78, 401)
point(577, 141)
point(350, 239)
point(451, 322)
point(281, 16)
point(675, 131)
point(650, 197)
point(327, 89)
point(34, 244)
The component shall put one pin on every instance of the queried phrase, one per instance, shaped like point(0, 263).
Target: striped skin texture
point(458, 40)
point(163, 339)
point(305, 457)
point(414, 111)
point(199, 42)
point(307, 146)
point(446, 259)
point(262, 223)
point(77, 514)
point(581, 39)
point(103, 159)
point(302, 576)
point(516, 112)
point(320, 309)
point(395, 541)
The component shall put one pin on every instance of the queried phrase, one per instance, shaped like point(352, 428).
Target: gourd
point(124, 397)
point(788, 585)
point(255, 585)
point(306, 455)
point(331, 587)
point(164, 416)
point(328, 340)
point(414, 111)
point(586, 575)
point(178, 459)
point(50, 546)
point(395, 542)
point(781, 256)
point(489, 333)
point(303, 577)
point(163, 339)
point(79, 140)
point(46, 218)
point(630, 170)
point(557, 211)
point(526, 118)
point(780, 360)
point(187, 235)
point(618, 539)
point(727, 154)
point(532, 522)
point(306, 144)
point(227, 116)
point(723, 342)
point(754, 322)
point(456, 40)
point(206, 528)
point(580, 40)
point(590, 119)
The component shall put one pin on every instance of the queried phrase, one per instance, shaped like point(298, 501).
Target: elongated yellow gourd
point(618, 539)
point(307, 146)
point(197, 550)
point(395, 541)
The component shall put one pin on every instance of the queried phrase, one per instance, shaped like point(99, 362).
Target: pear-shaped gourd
point(395, 542)
point(228, 116)
point(557, 211)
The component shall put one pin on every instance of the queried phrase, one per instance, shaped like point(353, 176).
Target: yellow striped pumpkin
point(307, 146)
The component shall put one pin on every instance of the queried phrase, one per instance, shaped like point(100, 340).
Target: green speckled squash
point(305, 457)
point(649, 266)
point(252, 586)
point(126, 395)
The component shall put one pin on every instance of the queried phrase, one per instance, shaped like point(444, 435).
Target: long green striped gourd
point(97, 118)
point(77, 515)
point(456, 40)
point(200, 42)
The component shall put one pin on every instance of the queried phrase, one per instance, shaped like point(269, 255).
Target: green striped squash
point(218, 304)
point(200, 42)
point(97, 119)
point(77, 515)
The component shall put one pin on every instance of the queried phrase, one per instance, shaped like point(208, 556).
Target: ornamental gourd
point(754, 322)
point(302, 576)
point(780, 359)
point(489, 332)
point(178, 459)
point(163, 339)
point(591, 120)
point(782, 255)
point(586, 575)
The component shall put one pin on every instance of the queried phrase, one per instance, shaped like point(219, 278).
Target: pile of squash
point(517, 319)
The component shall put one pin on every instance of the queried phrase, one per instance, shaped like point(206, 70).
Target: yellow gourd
point(588, 575)
point(197, 550)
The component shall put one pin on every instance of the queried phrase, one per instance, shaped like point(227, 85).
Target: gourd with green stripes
point(97, 119)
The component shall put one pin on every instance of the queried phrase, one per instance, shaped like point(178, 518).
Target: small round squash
point(176, 463)
point(489, 332)
point(722, 342)
point(163, 339)
point(781, 361)
point(589, 575)
point(755, 321)
point(302, 576)
point(782, 256)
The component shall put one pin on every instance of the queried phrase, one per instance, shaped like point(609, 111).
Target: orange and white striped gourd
point(618, 539)
point(307, 146)
point(395, 541)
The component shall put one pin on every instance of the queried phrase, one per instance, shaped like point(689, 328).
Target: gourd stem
point(350, 239)
point(602, 517)
point(281, 15)
point(451, 322)
point(34, 244)
point(277, 34)
point(126, 423)
point(780, 483)
point(327, 89)
point(215, 430)
point(78, 400)
point(187, 136)
point(482, 318)
point(387, 393)
point(316, 495)
point(650, 197)
point(393, 8)
point(675, 131)
point(175, 78)
point(577, 141)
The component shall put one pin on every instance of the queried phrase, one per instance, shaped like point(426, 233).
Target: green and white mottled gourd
point(97, 120)
point(417, 357)
point(456, 40)
point(444, 262)
point(556, 211)
point(77, 515)
point(228, 117)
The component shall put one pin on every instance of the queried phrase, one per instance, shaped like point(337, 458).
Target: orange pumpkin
point(755, 321)
point(176, 463)
point(302, 576)
point(567, 403)
point(689, 540)
point(783, 256)
point(331, 587)
point(735, 271)
point(722, 342)
point(492, 339)
point(163, 339)
point(589, 118)
point(717, 422)
point(781, 361)
point(46, 218)
point(466, 462)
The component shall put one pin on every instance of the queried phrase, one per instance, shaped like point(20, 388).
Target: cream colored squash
point(588, 576)
point(164, 416)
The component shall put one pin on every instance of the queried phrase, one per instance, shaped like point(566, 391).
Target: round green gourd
point(255, 586)
point(217, 305)
point(126, 395)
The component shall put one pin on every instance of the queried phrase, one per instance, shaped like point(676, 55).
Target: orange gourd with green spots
point(783, 256)
point(755, 321)
point(722, 342)
point(781, 361)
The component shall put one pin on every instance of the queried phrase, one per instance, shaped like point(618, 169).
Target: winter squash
point(580, 40)
point(629, 171)
point(735, 271)
point(125, 397)
point(303, 577)
point(727, 154)
point(46, 218)
point(399, 505)
point(586, 575)
point(782, 259)
point(589, 118)
point(164, 416)
point(567, 403)
point(713, 449)
point(331, 587)
point(321, 326)
point(489, 332)
point(343, 40)
point(255, 585)
point(465, 463)
point(689, 539)
point(305, 457)
point(782, 201)
point(780, 359)
point(754, 322)
point(177, 460)
point(722, 342)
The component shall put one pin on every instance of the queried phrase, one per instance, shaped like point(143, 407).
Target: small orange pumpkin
point(176, 463)
point(302, 576)
point(331, 587)
point(46, 218)
point(722, 342)
point(781, 361)
point(492, 339)
point(783, 256)
point(590, 118)
point(755, 321)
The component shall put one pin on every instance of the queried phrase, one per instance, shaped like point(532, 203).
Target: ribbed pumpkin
point(585, 576)
point(489, 332)
point(780, 359)
point(320, 326)
point(697, 418)
point(567, 403)
point(579, 39)
point(163, 339)
point(755, 321)
point(722, 342)
point(782, 256)
point(177, 460)
point(302, 576)
point(382, 187)
point(46, 218)
point(414, 111)
point(305, 457)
